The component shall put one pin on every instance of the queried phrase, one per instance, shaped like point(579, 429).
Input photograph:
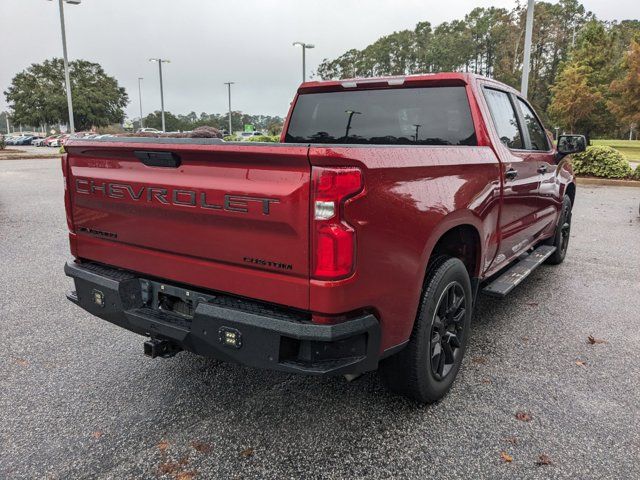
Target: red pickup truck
point(361, 241)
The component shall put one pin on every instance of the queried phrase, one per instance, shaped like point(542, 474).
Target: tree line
point(271, 125)
point(583, 71)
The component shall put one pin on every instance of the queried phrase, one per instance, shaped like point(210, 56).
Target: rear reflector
point(334, 240)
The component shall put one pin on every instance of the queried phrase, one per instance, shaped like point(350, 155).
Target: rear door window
point(407, 116)
point(504, 118)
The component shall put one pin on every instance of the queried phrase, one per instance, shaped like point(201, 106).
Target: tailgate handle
point(158, 159)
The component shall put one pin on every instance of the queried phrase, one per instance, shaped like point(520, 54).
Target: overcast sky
point(210, 42)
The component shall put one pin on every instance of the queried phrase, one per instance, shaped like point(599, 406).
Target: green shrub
point(2, 142)
point(602, 161)
point(636, 174)
point(231, 138)
point(265, 138)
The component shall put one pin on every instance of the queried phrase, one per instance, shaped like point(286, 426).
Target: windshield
point(408, 116)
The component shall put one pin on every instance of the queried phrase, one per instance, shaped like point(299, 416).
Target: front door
point(541, 152)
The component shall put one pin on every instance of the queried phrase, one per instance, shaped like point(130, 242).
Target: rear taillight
point(67, 193)
point(334, 240)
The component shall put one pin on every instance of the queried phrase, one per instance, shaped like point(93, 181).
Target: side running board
point(511, 278)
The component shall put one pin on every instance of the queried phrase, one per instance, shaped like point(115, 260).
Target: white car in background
point(244, 135)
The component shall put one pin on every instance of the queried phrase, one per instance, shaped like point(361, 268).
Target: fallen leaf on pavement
point(247, 452)
point(505, 457)
point(201, 447)
point(486, 381)
point(163, 445)
point(96, 435)
point(22, 362)
point(593, 340)
point(169, 468)
point(479, 360)
point(581, 363)
point(544, 460)
point(523, 416)
point(186, 475)
point(512, 440)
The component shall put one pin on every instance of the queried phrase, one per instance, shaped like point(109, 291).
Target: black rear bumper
point(227, 328)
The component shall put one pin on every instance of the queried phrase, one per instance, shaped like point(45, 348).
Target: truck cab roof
point(398, 81)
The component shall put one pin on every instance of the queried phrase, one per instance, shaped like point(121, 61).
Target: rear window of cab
point(407, 116)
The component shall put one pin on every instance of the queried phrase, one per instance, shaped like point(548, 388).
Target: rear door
point(522, 211)
point(227, 217)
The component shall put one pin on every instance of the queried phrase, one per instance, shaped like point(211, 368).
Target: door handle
point(511, 174)
point(542, 168)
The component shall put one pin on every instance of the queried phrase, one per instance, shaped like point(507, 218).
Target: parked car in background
point(47, 141)
point(244, 135)
point(14, 139)
point(58, 141)
point(148, 130)
point(24, 140)
point(38, 142)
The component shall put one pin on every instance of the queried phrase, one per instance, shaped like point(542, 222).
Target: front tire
point(426, 368)
point(560, 239)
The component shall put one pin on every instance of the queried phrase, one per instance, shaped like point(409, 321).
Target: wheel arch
point(570, 191)
point(457, 236)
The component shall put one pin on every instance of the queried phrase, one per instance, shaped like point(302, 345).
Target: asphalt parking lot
point(79, 400)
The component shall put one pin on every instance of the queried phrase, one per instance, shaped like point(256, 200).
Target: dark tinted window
point(504, 118)
point(537, 134)
point(408, 116)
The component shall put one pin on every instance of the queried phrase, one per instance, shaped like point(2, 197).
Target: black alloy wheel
point(447, 330)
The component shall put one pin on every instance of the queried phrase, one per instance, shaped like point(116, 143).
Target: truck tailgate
point(226, 217)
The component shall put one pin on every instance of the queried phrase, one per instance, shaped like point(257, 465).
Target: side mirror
point(568, 144)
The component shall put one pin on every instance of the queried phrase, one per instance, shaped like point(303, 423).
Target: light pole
point(140, 98)
point(228, 84)
point(351, 113)
point(160, 62)
point(304, 46)
point(526, 64)
point(67, 79)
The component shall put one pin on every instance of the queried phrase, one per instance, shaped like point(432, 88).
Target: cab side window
point(504, 118)
point(537, 135)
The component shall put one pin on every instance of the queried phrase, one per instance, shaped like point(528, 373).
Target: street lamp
point(160, 62)
point(526, 64)
point(351, 113)
point(140, 98)
point(228, 84)
point(67, 79)
point(304, 46)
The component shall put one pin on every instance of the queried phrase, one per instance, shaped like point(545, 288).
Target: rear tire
point(560, 239)
point(426, 368)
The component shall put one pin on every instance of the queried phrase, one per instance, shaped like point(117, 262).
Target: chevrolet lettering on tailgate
point(166, 196)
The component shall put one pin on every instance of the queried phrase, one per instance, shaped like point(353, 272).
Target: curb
point(24, 156)
point(607, 182)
